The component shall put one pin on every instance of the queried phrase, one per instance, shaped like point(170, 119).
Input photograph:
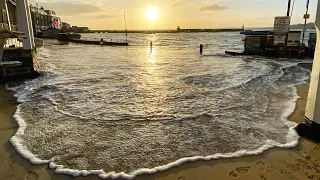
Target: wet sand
point(301, 162)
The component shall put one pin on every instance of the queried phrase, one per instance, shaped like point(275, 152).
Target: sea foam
point(292, 141)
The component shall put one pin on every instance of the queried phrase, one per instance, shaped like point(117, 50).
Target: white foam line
point(113, 175)
point(16, 141)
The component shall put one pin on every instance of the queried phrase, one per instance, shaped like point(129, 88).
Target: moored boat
point(67, 36)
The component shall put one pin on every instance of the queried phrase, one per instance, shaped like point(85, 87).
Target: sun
point(152, 13)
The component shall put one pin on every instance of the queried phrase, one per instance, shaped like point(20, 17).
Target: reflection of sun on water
point(152, 13)
point(152, 53)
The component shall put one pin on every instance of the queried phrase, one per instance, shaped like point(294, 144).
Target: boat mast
point(292, 8)
point(125, 23)
point(305, 21)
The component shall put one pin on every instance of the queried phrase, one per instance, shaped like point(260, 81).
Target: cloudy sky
point(108, 14)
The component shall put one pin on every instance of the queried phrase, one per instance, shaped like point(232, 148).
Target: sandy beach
point(301, 162)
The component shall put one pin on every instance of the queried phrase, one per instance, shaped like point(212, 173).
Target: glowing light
point(152, 13)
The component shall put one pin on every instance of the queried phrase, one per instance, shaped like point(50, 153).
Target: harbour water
point(123, 111)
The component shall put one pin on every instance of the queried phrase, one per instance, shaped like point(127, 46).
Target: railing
point(13, 43)
point(5, 26)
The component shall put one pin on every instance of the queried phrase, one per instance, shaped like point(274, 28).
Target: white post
point(313, 104)
point(7, 15)
point(24, 25)
point(311, 127)
point(30, 25)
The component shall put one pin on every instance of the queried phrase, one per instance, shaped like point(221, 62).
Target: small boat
point(68, 36)
point(101, 42)
point(232, 53)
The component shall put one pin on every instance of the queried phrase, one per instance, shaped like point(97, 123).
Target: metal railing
point(13, 43)
point(5, 26)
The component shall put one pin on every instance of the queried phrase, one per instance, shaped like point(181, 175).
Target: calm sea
point(122, 111)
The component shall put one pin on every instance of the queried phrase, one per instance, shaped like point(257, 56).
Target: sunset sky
point(108, 14)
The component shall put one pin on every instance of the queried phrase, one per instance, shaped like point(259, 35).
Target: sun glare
point(152, 13)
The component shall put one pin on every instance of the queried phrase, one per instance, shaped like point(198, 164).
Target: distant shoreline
point(164, 31)
point(178, 31)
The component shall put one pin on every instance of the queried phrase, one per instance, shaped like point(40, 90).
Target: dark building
point(44, 19)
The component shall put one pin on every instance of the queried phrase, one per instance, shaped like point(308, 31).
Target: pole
point(35, 16)
point(289, 4)
point(292, 8)
point(125, 23)
point(288, 14)
point(305, 21)
point(8, 15)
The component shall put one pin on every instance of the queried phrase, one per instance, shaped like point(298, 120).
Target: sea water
point(125, 111)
